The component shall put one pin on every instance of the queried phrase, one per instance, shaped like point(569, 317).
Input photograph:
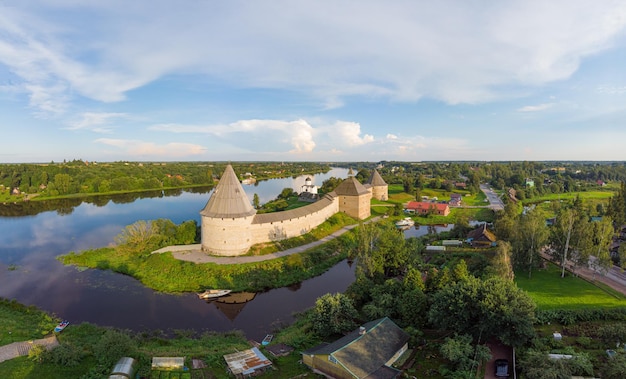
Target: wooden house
point(481, 237)
point(368, 352)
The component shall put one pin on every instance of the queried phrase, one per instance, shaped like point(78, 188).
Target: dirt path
point(18, 349)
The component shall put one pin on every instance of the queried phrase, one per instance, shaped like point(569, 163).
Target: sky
point(283, 80)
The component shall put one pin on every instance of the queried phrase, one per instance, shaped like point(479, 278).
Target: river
point(31, 239)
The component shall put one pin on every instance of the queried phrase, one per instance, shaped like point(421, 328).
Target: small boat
point(62, 325)
point(268, 338)
point(407, 221)
point(212, 294)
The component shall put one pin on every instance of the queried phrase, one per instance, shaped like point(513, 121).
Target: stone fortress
point(230, 225)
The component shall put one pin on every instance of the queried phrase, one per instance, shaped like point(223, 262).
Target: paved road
point(495, 202)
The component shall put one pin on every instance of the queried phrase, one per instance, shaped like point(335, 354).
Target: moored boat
point(211, 294)
point(268, 338)
point(407, 221)
point(62, 325)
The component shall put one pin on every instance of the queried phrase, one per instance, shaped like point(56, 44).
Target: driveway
point(498, 351)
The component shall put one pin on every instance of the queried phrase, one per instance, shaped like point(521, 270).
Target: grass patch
point(550, 291)
point(22, 323)
point(585, 195)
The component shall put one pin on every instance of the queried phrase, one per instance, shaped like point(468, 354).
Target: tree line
point(83, 177)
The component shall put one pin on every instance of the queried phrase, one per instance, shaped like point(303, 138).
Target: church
point(230, 224)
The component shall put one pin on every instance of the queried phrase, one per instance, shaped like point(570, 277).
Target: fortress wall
point(226, 236)
point(287, 224)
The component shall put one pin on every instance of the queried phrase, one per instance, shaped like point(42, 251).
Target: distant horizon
point(313, 161)
point(521, 80)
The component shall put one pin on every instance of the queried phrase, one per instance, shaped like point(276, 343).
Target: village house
point(481, 237)
point(455, 200)
point(368, 352)
point(424, 208)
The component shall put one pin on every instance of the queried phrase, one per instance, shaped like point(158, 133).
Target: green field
point(550, 291)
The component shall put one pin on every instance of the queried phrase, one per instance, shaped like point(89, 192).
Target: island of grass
point(162, 272)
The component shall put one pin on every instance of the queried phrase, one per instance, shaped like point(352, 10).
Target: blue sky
point(312, 80)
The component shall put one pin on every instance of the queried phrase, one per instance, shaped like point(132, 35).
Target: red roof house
point(422, 208)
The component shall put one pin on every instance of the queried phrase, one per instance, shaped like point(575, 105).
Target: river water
point(32, 237)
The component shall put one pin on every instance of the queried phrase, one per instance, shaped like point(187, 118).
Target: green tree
point(333, 314)
point(256, 203)
point(602, 237)
point(462, 354)
point(501, 262)
point(614, 368)
point(530, 236)
point(485, 309)
point(137, 237)
point(62, 183)
point(112, 346)
point(505, 222)
point(570, 237)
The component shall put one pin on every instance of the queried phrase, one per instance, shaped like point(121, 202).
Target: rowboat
point(212, 294)
point(62, 325)
point(267, 339)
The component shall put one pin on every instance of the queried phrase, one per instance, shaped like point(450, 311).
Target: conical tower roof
point(228, 199)
point(350, 187)
point(376, 180)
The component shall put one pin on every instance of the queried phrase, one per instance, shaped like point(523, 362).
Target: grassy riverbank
point(87, 351)
point(20, 323)
point(164, 273)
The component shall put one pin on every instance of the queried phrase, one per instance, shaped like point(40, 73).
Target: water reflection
point(35, 233)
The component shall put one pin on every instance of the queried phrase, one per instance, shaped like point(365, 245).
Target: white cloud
point(457, 52)
point(95, 121)
point(535, 108)
point(349, 134)
point(261, 135)
point(611, 89)
point(146, 149)
point(392, 136)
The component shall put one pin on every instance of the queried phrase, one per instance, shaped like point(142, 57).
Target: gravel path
point(18, 349)
point(194, 253)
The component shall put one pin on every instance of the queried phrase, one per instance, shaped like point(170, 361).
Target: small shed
point(168, 363)
point(557, 336)
point(435, 248)
point(279, 349)
point(247, 363)
point(452, 243)
point(125, 368)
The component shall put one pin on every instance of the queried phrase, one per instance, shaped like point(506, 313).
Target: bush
point(65, 355)
point(112, 346)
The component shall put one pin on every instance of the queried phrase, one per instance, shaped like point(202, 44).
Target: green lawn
point(550, 291)
point(586, 195)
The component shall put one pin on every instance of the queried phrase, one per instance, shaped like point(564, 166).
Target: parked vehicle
point(502, 368)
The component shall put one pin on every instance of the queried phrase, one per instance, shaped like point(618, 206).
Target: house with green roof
point(368, 352)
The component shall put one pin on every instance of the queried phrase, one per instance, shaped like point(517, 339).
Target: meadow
point(550, 291)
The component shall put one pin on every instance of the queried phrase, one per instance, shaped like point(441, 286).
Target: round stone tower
point(227, 217)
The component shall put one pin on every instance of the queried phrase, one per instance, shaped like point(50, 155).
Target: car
point(502, 368)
